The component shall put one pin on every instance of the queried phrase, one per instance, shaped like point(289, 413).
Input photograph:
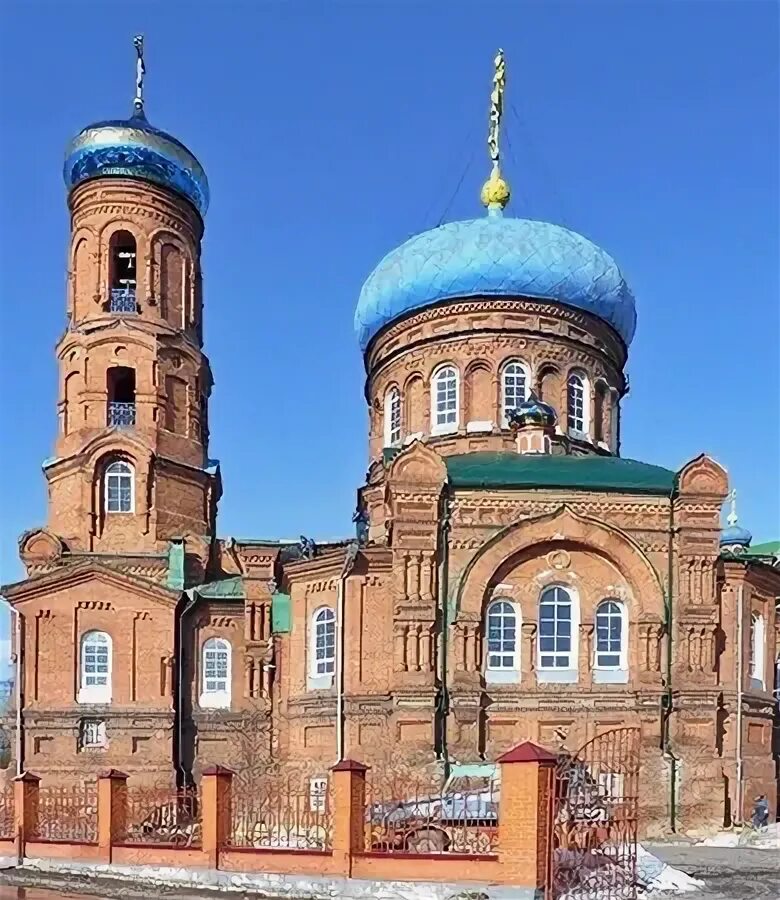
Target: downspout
point(668, 698)
point(740, 787)
point(19, 648)
point(443, 702)
point(349, 564)
point(191, 598)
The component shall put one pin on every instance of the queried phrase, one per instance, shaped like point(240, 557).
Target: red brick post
point(348, 793)
point(216, 789)
point(111, 811)
point(525, 815)
point(25, 809)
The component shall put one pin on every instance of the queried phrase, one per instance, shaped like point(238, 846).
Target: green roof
point(280, 613)
point(769, 548)
point(226, 589)
point(591, 473)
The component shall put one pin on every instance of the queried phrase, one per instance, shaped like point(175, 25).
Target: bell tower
point(131, 468)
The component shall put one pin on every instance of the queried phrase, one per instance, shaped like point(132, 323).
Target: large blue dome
point(495, 256)
point(132, 148)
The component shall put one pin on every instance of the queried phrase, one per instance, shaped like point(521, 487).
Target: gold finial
point(495, 191)
point(140, 71)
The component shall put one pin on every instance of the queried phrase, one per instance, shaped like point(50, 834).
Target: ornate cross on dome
point(140, 71)
point(495, 192)
point(732, 516)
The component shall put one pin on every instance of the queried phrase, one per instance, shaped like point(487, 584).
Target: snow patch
point(656, 877)
point(764, 839)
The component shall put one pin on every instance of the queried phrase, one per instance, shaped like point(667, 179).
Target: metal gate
point(594, 815)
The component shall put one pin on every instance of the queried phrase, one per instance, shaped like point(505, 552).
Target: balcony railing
point(122, 301)
point(121, 415)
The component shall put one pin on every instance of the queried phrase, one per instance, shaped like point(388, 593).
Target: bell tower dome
point(131, 468)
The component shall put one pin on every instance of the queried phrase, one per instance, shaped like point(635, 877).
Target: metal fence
point(290, 813)
point(67, 814)
point(423, 816)
point(7, 821)
point(163, 815)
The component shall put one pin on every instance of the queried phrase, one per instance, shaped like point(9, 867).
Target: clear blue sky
point(333, 131)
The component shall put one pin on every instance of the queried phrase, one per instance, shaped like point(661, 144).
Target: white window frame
point(503, 667)
point(318, 794)
point(604, 671)
point(547, 671)
point(322, 665)
point(579, 424)
point(94, 645)
point(512, 368)
point(392, 417)
point(444, 418)
point(120, 470)
point(94, 729)
point(757, 651)
point(215, 691)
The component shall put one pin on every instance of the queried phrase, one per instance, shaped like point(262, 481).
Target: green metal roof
point(592, 473)
point(226, 589)
point(280, 613)
point(769, 548)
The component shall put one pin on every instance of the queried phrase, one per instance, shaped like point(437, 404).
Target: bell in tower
point(131, 468)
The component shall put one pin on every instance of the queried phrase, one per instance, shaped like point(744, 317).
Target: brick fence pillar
point(348, 796)
point(216, 790)
point(525, 815)
point(111, 811)
point(25, 809)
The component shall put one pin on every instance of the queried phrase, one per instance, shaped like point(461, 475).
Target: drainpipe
point(740, 787)
point(668, 698)
point(188, 599)
point(19, 670)
point(443, 701)
point(349, 564)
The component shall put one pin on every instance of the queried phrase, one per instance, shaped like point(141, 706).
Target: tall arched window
point(577, 405)
point(514, 387)
point(445, 400)
point(324, 642)
point(122, 272)
point(392, 418)
point(215, 673)
point(558, 625)
point(757, 650)
point(611, 650)
point(118, 487)
point(95, 668)
point(503, 653)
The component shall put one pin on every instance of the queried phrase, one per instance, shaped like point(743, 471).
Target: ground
point(729, 873)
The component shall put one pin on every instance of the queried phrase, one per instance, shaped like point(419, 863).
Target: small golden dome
point(495, 191)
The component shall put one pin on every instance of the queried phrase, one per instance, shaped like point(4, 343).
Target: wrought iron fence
point(121, 415)
point(67, 814)
point(163, 815)
point(122, 300)
point(7, 821)
point(423, 816)
point(282, 812)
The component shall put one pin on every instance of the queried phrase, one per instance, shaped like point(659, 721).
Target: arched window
point(577, 405)
point(95, 668)
point(324, 642)
point(118, 487)
point(122, 272)
point(611, 636)
point(215, 673)
point(558, 625)
point(445, 400)
point(514, 387)
point(392, 418)
point(757, 650)
point(502, 637)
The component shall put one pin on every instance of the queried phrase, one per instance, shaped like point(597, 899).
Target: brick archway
point(564, 527)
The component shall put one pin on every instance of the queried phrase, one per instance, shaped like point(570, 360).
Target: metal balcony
point(122, 301)
point(121, 415)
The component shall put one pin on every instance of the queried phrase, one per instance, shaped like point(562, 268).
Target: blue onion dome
point(495, 256)
point(132, 148)
point(734, 535)
point(532, 411)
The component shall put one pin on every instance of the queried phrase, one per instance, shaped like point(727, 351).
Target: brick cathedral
point(510, 577)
